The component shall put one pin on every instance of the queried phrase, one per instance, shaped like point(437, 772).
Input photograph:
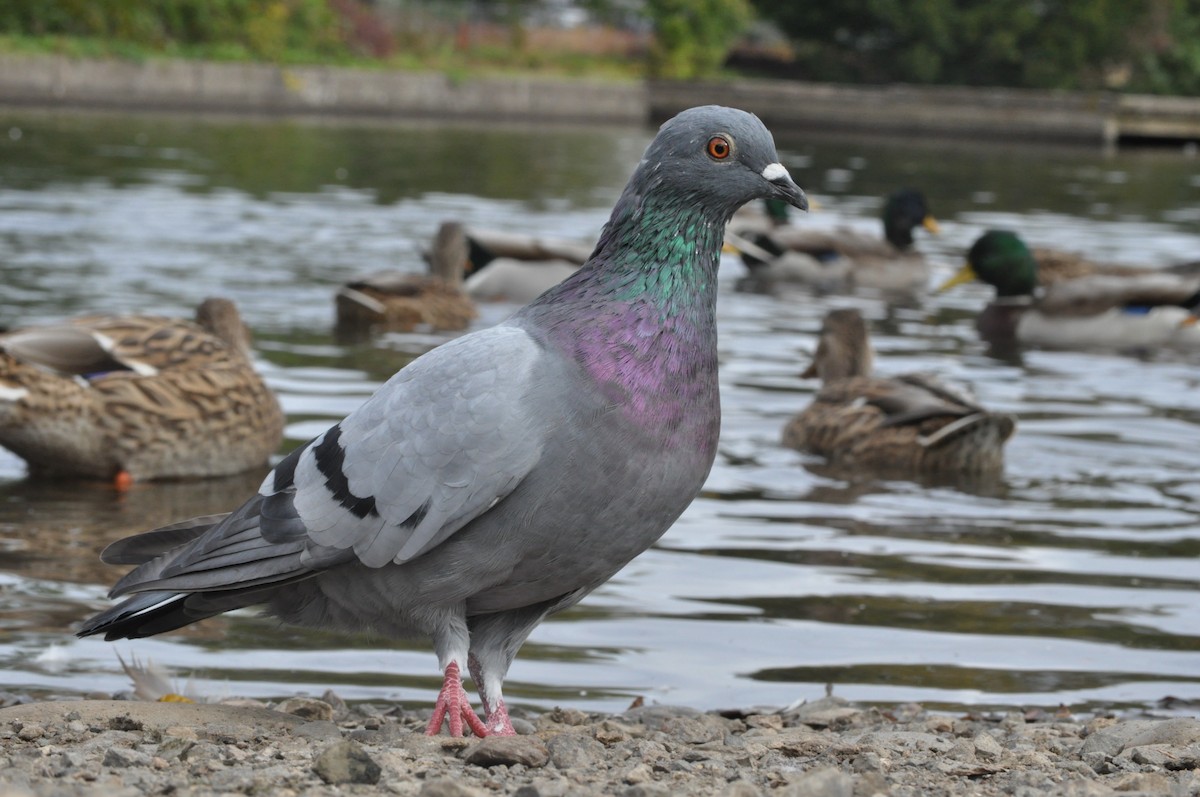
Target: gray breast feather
point(438, 445)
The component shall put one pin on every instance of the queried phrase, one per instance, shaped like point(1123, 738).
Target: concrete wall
point(1001, 114)
point(997, 114)
point(264, 88)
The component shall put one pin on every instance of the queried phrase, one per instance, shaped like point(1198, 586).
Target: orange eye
point(719, 148)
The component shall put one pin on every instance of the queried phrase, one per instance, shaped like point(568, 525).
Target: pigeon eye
point(719, 148)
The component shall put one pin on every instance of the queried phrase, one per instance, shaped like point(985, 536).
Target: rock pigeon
point(506, 474)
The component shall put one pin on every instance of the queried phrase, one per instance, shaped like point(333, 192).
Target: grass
point(437, 57)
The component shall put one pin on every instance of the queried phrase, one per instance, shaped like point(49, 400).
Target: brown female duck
point(137, 397)
point(908, 424)
point(397, 301)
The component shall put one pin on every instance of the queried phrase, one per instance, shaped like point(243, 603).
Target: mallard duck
point(518, 268)
point(1119, 310)
point(840, 259)
point(398, 301)
point(911, 424)
point(137, 397)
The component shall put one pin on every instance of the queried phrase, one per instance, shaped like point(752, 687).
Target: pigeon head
point(719, 158)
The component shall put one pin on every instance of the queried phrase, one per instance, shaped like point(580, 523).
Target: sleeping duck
point(1125, 309)
point(399, 301)
point(137, 397)
point(907, 424)
point(839, 259)
point(518, 268)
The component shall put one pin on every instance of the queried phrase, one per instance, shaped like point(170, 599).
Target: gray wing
point(441, 443)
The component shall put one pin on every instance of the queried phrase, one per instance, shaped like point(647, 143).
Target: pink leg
point(495, 712)
point(497, 721)
point(452, 704)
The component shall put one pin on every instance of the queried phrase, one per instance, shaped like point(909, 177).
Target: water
point(1073, 580)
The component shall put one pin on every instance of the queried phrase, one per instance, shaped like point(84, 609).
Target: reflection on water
point(1072, 580)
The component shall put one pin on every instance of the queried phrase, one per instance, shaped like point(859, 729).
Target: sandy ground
point(826, 748)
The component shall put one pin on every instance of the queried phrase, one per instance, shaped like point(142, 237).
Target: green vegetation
point(1134, 45)
point(1128, 45)
point(274, 30)
point(693, 37)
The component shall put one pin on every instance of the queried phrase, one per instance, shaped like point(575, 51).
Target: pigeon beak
point(785, 188)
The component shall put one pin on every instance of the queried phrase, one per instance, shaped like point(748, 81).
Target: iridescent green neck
point(665, 254)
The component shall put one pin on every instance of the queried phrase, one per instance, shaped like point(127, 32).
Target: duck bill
point(930, 223)
point(964, 274)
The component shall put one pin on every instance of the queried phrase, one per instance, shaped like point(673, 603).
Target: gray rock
point(495, 750)
point(647, 790)
point(574, 751)
point(124, 757)
point(1178, 732)
point(825, 782)
point(447, 787)
point(31, 731)
point(340, 709)
point(986, 747)
point(547, 787)
point(904, 741)
point(742, 789)
point(308, 708)
point(695, 730)
point(346, 762)
point(1112, 740)
point(654, 716)
point(523, 727)
point(1166, 756)
point(318, 731)
point(566, 716)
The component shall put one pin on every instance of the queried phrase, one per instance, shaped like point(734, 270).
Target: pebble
point(823, 748)
point(507, 750)
point(346, 762)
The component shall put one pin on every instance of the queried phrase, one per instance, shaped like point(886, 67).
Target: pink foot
point(497, 721)
point(452, 704)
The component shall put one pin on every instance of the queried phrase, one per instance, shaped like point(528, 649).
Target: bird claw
point(454, 706)
point(497, 722)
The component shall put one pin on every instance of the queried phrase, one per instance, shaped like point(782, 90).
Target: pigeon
point(504, 475)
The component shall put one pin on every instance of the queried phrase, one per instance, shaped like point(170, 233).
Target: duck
point(1121, 309)
point(400, 301)
point(840, 259)
point(910, 424)
point(137, 397)
point(515, 268)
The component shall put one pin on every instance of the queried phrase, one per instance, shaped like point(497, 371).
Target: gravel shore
point(826, 748)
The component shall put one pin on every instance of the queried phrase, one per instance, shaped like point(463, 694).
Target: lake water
point(1073, 580)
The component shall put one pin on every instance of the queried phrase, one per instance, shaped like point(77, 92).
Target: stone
point(308, 708)
point(647, 790)
point(346, 762)
point(124, 757)
point(986, 747)
point(694, 730)
point(654, 716)
point(508, 750)
point(1113, 739)
point(742, 789)
point(30, 732)
point(824, 782)
point(447, 787)
point(319, 730)
point(574, 751)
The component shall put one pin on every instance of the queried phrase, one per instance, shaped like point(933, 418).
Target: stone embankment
point(1011, 115)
